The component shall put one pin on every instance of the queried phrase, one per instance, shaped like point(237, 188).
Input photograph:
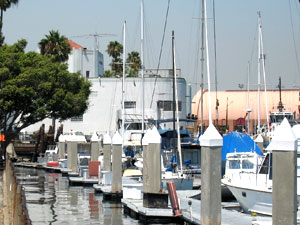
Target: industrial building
point(232, 113)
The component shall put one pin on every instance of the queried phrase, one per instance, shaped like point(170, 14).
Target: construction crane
point(95, 36)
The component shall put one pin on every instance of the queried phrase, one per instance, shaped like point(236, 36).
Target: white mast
point(142, 64)
point(264, 72)
point(207, 66)
point(176, 99)
point(123, 83)
point(258, 75)
point(249, 109)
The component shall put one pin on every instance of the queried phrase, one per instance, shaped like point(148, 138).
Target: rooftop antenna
point(95, 36)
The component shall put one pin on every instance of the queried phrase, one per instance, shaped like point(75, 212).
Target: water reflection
point(50, 200)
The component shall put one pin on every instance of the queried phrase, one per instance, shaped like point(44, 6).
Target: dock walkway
point(191, 211)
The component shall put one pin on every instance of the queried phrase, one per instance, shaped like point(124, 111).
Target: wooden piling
point(284, 196)
point(72, 147)
point(116, 186)
point(106, 153)
point(61, 146)
point(94, 147)
point(211, 156)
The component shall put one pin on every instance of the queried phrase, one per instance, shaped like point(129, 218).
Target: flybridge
point(277, 117)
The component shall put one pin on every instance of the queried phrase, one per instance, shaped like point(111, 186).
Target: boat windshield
point(277, 118)
point(246, 164)
point(235, 164)
point(240, 164)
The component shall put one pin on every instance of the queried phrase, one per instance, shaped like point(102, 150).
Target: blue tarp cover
point(239, 141)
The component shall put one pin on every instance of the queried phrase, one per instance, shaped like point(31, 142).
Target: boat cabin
point(277, 117)
point(242, 162)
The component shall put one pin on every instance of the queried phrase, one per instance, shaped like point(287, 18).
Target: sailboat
point(182, 181)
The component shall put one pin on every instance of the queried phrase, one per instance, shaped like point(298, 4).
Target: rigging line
point(252, 51)
point(197, 54)
point(193, 75)
point(253, 44)
point(293, 34)
point(297, 8)
point(161, 47)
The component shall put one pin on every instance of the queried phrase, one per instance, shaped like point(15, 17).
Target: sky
point(235, 31)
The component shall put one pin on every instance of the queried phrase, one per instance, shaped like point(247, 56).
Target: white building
point(88, 62)
point(105, 104)
point(104, 113)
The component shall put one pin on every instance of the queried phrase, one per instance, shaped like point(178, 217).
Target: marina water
point(50, 200)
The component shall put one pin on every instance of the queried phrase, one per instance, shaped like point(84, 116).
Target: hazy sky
point(236, 33)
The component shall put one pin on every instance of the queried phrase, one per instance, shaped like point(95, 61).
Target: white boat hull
point(254, 200)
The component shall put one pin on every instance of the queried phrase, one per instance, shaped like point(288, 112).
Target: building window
point(87, 74)
point(168, 105)
point(77, 118)
point(129, 105)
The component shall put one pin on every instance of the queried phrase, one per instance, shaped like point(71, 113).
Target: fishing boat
point(249, 177)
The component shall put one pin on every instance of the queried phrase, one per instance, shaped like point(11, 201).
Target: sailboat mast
point(142, 66)
point(202, 64)
point(207, 66)
point(258, 74)
point(174, 73)
point(249, 109)
point(123, 83)
point(176, 103)
point(280, 105)
point(264, 73)
point(216, 77)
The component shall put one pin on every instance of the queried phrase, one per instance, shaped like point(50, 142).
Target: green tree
point(56, 46)
point(108, 73)
point(34, 87)
point(134, 62)
point(114, 50)
point(4, 5)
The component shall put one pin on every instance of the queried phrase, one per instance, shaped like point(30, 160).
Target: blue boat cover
point(239, 141)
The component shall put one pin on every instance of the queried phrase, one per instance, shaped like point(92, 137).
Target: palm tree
point(4, 5)
point(117, 66)
point(134, 62)
point(114, 50)
point(56, 46)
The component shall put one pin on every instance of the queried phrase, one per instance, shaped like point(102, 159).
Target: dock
point(191, 213)
point(82, 181)
point(190, 204)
